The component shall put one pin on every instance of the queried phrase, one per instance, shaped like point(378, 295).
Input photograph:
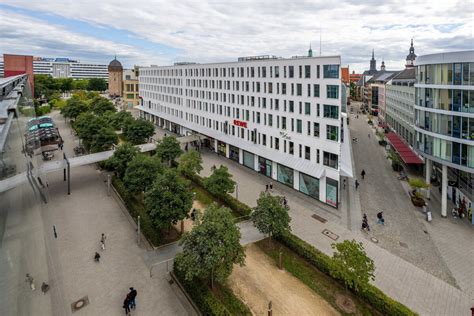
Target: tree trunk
point(212, 279)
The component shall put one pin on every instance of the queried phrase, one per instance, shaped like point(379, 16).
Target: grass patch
point(320, 283)
point(202, 195)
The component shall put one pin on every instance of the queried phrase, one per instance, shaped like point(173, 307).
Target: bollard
point(270, 312)
point(280, 265)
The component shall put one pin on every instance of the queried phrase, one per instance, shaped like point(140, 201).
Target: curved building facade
point(444, 117)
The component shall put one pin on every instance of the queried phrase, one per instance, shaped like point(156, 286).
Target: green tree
point(270, 216)
point(220, 181)
point(74, 107)
point(168, 149)
point(99, 105)
point(122, 156)
point(121, 119)
point(168, 200)
point(212, 248)
point(80, 84)
point(65, 84)
point(351, 264)
point(190, 163)
point(45, 86)
point(138, 131)
point(97, 84)
point(103, 139)
point(141, 172)
point(352, 89)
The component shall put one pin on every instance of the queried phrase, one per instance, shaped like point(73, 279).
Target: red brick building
point(345, 75)
point(19, 64)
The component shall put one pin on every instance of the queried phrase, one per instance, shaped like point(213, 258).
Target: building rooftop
point(406, 74)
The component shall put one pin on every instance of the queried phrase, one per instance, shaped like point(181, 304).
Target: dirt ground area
point(188, 223)
point(260, 281)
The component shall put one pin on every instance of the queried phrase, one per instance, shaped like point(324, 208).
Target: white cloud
point(222, 30)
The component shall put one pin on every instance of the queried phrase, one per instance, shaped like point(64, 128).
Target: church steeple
point(411, 56)
point(373, 63)
point(310, 51)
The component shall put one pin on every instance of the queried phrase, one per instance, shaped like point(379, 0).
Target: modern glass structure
point(444, 119)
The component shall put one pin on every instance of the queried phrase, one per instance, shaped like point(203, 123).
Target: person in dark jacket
point(126, 305)
point(132, 295)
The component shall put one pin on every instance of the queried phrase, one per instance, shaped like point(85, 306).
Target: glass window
point(283, 88)
point(316, 129)
point(307, 152)
point(316, 90)
point(249, 160)
point(291, 107)
point(277, 71)
point(332, 132)
point(291, 148)
point(285, 175)
point(330, 160)
point(465, 73)
point(332, 91)
point(309, 185)
point(299, 89)
point(331, 111)
point(307, 108)
point(283, 122)
point(307, 71)
point(331, 192)
point(317, 71)
point(299, 126)
point(457, 74)
point(331, 71)
point(291, 71)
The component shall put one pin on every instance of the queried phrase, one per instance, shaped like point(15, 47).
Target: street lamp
point(237, 191)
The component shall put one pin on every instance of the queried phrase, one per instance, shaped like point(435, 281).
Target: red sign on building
point(240, 123)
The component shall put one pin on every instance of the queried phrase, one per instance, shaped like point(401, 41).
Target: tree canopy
point(220, 181)
point(212, 248)
point(74, 107)
point(270, 216)
point(141, 172)
point(351, 264)
point(190, 163)
point(121, 157)
point(97, 84)
point(138, 131)
point(168, 149)
point(168, 200)
point(95, 132)
point(99, 105)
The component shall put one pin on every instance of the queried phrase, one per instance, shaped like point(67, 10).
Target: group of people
point(365, 221)
point(31, 282)
point(269, 187)
point(102, 246)
point(130, 301)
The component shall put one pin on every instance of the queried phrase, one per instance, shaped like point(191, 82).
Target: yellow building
point(130, 95)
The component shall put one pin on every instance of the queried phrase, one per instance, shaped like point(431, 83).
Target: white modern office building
point(66, 68)
point(280, 117)
point(444, 123)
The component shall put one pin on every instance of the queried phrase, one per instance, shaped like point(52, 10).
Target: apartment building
point(280, 117)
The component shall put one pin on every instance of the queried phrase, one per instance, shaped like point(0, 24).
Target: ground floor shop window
point(309, 185)
point(331, 192)
point(265, 166)
point(221, 148)
point(285, 175)
point(249, 160)
point(234, 153)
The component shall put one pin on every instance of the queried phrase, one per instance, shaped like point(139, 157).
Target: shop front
point(249, 160)
point(221, 148)
point(309, 185)
point(234, 153)
point(331, 192)
point(265, 166)
point(285, 175)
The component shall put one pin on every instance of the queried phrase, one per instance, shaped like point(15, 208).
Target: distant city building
point(130, 94)
point(345, 75)
point(115, 78)
point(66, 68)
point(280, 117)
point(14, 65)
point(444, 122)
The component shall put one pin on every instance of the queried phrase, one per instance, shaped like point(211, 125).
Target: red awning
point(406, 153)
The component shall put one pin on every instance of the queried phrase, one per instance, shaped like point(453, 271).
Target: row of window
point(446, 99)
point(300, 71)
point(449, 125)
point(460, 154)
point(448, 74)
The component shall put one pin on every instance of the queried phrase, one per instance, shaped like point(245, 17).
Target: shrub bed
point(220, 301)
point(373, 296)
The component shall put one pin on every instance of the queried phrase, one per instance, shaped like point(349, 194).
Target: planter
point(420, 202)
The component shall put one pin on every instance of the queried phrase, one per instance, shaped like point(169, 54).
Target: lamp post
point(237, 191)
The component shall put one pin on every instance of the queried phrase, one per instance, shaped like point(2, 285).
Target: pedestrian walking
point(266, 187)
point(102, 241)
point(97, 257)
point(271, 185)
point(31, 282)
point(365, 223)
point(193, 214)
point(368, 135)
point(362, 174)
point(380, 219)
point(133, 295)
point(356, 184)
point(126, 305)
point(44, 287)
point(344, 184)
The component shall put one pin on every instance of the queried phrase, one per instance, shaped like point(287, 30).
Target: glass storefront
point(221, 148)
point(265, 166)
point(309, 185)
point(234, 153)
point(285, 175)
point(249, 160)
point(331, 192)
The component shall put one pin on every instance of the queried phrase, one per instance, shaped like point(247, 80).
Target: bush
point(373, 296)
point(224, 303)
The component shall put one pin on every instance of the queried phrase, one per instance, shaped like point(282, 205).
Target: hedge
point(207, 302)
point(240, 208)
point(373, 296)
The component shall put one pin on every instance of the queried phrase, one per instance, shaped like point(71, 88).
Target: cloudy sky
point(161, 32)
